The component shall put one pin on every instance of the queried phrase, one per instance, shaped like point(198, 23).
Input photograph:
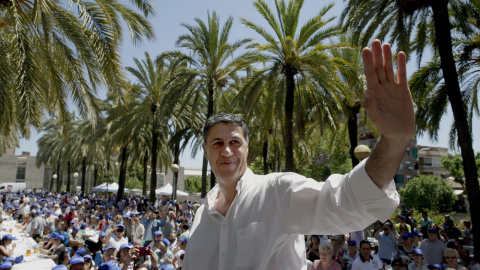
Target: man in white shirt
point(115, 237)
point(366, 260)
point(276, 210)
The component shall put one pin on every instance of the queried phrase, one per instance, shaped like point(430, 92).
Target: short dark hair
point(365, 242)
point(227, 118)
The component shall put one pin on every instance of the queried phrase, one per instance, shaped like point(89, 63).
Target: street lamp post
point(174, 169)
point(75, 176)
point(362, 152)
point(54, 176)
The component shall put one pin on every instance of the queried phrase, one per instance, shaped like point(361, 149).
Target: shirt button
point(224, 226)
point(223, 253)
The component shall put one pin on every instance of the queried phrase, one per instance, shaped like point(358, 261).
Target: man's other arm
point(389, 105)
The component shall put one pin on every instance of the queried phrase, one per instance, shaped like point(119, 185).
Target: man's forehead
point(222, 131)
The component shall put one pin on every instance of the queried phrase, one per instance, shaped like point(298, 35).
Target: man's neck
point(225, 198)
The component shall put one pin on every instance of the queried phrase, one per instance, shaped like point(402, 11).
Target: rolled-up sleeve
point(342, 204)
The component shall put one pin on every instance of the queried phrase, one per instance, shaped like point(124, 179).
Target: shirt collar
point(213, 193)
point(363, 260)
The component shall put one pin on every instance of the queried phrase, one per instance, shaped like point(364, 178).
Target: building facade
point(430, 161)
point(408, 169)
point(21, 169)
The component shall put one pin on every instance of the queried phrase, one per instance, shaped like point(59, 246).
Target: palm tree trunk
point(211, 102)
point(204, 177)
point(52, 180)
point(59, 180)
point(123, 174)
point(68, 178)
point(289, 103)
point(353, 133)
point(84, 173)
point(265, 155)
point(95, 175)
point(176, 160)
point(444, 42)
point(58, 173)
point(145, 162)
point(153, 178)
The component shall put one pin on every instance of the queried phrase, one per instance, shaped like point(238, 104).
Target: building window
point(20, 174)
point(399, 179)
point(408, 165)
point(415, 152)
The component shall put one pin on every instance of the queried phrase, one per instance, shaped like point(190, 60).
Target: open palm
point(388, 101)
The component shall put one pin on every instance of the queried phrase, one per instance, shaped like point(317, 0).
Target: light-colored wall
point(34, 177)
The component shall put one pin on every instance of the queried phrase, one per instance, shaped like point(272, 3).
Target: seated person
point(75, 238)
point(58, 253)
point(4, 244)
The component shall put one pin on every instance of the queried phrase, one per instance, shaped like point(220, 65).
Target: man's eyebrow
point(223, 139)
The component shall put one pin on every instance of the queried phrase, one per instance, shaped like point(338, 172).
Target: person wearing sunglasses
point(89, 263)
point(397, 264)
point(451, 258)
point(116, 237)
point(350, 255)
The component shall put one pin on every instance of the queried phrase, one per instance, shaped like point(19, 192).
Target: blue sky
point(167, 27)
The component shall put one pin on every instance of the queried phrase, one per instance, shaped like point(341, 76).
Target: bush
point(428, 192)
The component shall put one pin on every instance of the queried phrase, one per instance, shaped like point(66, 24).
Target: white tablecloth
point(23, 243)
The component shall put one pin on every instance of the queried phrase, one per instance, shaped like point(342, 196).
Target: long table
point(23, 243)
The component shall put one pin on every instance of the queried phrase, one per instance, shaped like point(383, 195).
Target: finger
point(369, 69)
point(378, 60)
point(388, 62)
point(402, 69)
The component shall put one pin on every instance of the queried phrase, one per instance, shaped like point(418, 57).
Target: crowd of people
point(401, 244)
point(86, 233)
point(100, 233)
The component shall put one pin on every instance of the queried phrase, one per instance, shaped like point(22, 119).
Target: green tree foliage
point(428, 192)
point(193, 184)
point(454, 164)
point(134, 176)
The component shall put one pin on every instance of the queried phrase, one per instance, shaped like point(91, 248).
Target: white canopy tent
point(167, 191)
point(112, 187)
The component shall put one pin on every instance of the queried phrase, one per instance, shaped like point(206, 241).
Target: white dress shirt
point(265, 224)
point(373, 264)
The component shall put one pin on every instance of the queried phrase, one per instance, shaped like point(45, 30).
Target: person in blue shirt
point(152, 224)
point(386, 242)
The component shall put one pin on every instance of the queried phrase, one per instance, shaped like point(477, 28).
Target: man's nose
point(227, 151)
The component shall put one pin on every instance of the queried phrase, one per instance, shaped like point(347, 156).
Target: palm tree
point(210, 51)
point(355, 83)
point(57, 146)
point(400, 20)
point(54, 51)
point(161, 87)
point(295, 54)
